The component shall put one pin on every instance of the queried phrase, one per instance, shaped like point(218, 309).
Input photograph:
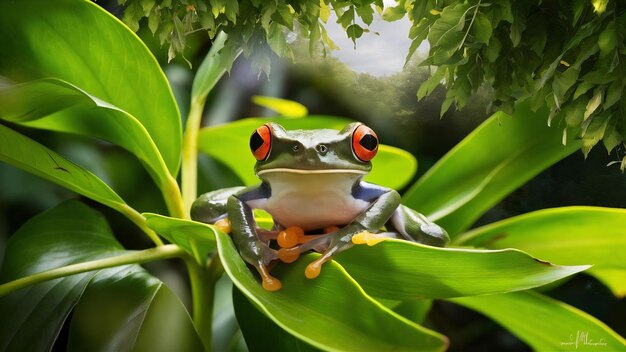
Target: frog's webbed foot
point(341, 241)
point(259, 254)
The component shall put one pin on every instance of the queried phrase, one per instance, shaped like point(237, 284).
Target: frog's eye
point(364, 143)
point(260, 142)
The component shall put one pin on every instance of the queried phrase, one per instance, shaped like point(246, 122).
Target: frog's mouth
point(310, 172)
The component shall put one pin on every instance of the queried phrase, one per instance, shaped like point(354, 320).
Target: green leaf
point(599, 6)
point(74, 233)
point(481, 29)
point(28, 155)
point(260, 332)
point(394, 13)
point(354, 31)
point(366, 13)
point(567, 236)
point(196, 238)
point(446, 32)
point(144, 316)
point(594, 103)
point(283, 107)
point(60, 106)
point(499, 156)
point(212, 68)
point(88, 45)
point(238, 157)
point(327, 305)
point(546, 324)
point(397, 269)
point(594, 131)
point(37, 246)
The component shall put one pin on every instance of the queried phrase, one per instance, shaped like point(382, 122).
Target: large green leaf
point(568, 236)
point(60, 106)
point(327, 305)
point(546, 324)
point(197, 238)
point(237, 156)
point(26, 154)
point(144, 316)
point(400, 270)
point(260, 332)
point(499, 156)
point(80, 43)
point(74, 233)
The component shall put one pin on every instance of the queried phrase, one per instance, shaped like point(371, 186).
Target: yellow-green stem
point(190, 153)
point(202, 295)
point(140, 221)
point(148, 255)
point(173, 199)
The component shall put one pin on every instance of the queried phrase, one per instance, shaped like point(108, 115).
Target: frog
point(311, 184)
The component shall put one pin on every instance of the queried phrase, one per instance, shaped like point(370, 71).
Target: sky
point(378, 55)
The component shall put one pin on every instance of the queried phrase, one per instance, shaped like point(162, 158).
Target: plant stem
point(202, 294)
point(148, 255)
point(140, 221)
point(173, 199)
point(190, 153)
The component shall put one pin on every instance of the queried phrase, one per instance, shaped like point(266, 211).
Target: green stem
point(140, 221)
point(202, 294)
point(173, 199)
point(190, 153)
point(148, 255)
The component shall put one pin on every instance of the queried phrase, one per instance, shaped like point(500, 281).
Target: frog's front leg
point(251, 247)
point(371, 220)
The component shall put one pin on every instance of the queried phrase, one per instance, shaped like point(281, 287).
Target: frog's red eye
point(260, 142)
point(364, 143)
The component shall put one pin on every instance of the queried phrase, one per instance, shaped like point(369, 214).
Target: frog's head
point(322, 151)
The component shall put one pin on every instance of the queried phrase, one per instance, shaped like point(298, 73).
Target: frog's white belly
point(313, 201)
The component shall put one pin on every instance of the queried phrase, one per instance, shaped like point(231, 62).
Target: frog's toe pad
point(223, 225)
point(288, 255)
point(314, 268)
point(367, 238)
point(290, 237)
point(271, 283)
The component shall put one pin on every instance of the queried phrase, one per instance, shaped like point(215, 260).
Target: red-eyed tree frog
point(311, 182)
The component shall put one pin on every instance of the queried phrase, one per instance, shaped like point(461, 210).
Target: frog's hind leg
point(415, 227)
point(211, 207)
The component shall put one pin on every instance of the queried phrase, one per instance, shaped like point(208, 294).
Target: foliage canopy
point(566, 55)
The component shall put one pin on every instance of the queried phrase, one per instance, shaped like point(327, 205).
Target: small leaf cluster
point(253, 26)
point(566, 55)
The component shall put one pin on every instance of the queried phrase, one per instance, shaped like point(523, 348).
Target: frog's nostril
point(321, 148)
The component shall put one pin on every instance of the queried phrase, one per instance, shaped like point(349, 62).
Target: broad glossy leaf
point(69, 233)
point(260, 332)
point(197, 238)
point(57, 105)
point(237, 156)
point(80, 43)
point(32, 317)
point(327, 305)
point(143, 316)
point(396, 269)
point(567, 236)
point(499, 156)
point(546, 324)
point(24, 153)
point(282, 107)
